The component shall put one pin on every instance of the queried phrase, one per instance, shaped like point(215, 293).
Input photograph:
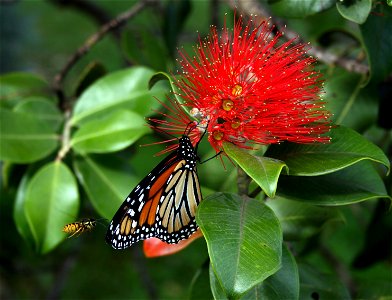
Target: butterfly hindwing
point(162, 205)
point(177, 208)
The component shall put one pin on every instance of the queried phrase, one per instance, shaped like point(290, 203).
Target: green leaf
point(346, 241)
point(301, 220)
point(89, 75)
point(284, 284)
point(144, 47)
point(347, 147)
point(114, 132)
point(244, 240)
point(376, 33)
point(351, 105)
point(24, 138)
point(19, 213)
point(42, 109)
point(107, 181)
point(317, 285)
point(175, 16)
point(162, 76)
point(200, 286)
point(263, 170)
point(312, 30)
point(216, 288)
point(374, 282)
point(126, 89)
point(18, 85)
point(354, 10)
point(356, 183)
point(52, 200)
point(300, 8)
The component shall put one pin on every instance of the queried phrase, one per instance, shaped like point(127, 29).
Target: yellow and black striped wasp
point(79, 227)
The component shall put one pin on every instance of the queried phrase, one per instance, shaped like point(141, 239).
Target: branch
point(255, 9)
point(91, 41)
point(95, 12)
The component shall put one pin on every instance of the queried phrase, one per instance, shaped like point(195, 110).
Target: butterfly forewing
point(163, 204)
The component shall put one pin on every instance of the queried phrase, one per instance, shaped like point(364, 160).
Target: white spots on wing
point(174, 219)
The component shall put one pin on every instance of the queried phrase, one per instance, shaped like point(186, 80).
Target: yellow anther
point(227, 104)
point(235, 123)
point(237, 90)
point(217, 135)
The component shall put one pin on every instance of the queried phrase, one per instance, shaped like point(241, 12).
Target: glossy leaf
point(106, 179)
point(162, 76)
point(300, 8)
point(114, 132)
point(264, 171)
point(356, 11)
point(353, 184)
point(301, 220)
point(52, 200)
point(18, 85)
point(284, 284)
point(376, 33)
point(244, 240)
point(318, 285)
point(42, 109)
point(216, 287)
point(19, 215)
point(125, 89)
point(24, 138)
point(347, 147)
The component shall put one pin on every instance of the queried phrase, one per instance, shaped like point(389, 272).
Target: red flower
point(252, 90)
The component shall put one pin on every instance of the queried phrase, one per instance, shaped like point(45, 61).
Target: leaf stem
point(65, 137)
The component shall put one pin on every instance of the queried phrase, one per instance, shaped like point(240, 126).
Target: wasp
point(77, 228)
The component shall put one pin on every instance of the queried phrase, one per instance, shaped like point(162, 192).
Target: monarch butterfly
point(163, 204)
point(76, 228)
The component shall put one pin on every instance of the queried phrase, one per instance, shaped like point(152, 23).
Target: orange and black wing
point(162, 205)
